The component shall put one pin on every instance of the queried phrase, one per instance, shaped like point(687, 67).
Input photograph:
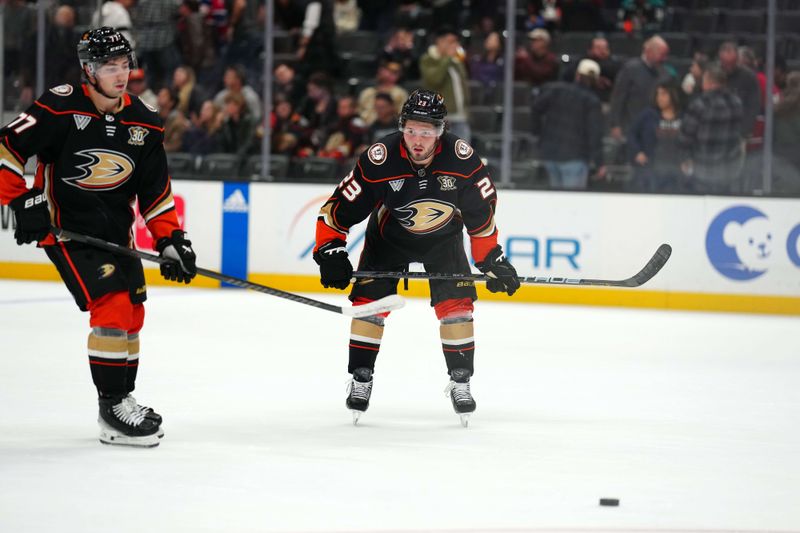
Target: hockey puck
point(609, 502)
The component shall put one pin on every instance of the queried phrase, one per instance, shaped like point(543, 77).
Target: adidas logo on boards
point(235, 203)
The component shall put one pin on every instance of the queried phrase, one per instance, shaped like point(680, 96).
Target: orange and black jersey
point(92, 166)
point(416, 210)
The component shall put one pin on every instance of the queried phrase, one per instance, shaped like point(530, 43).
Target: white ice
point(690, 419)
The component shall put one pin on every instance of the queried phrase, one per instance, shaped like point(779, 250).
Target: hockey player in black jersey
point(99, 150)
point(420, 187)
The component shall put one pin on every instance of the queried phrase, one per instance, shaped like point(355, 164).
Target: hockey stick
point(383, 305)
point(652, 268)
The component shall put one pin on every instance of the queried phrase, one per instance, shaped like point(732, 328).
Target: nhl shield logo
point(447, 183)
point(137, 135)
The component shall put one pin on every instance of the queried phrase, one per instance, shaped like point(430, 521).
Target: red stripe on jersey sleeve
point(325, 233)
point(481, 246)
point(11, 185)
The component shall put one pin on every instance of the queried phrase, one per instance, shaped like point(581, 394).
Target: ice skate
point(460, 395)
point(121, 423)
point(358, 392)
point(148, 412)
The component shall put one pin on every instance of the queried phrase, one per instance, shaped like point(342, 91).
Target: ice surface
point(690, 419)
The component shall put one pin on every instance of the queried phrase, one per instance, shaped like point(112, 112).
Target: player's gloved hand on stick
point(32, 216)
point(502, 275)
point(178, 248)
point(335, 269)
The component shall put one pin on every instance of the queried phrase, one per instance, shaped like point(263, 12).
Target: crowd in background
point(685, 122)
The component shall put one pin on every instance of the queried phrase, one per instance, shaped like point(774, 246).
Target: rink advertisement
point(733, 254)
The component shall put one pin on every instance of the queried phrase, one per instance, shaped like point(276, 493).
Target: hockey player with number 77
point(420, 187)
point(99, 149)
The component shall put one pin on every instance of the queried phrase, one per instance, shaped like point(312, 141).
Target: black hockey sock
point(108, 360)
point(365, 341)
point(133, 361)
point(458, 343)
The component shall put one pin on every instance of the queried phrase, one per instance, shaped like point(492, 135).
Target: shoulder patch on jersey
point(463, 149)
point(377, 153)
point(62, 90)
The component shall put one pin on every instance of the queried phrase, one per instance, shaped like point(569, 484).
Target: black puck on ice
point(609, 502)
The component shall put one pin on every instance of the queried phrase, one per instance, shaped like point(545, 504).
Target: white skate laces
point(459, 392)
point(128, 413)
point(359, 390)
point(134, 406)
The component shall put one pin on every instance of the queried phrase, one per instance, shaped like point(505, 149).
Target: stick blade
point(653, 266)
point(384, 305)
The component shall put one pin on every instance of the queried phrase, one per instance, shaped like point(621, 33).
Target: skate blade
point(464, 419)
point(356, 416)
point(113, 437)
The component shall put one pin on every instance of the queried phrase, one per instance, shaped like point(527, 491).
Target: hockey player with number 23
point(420, 187)
point(99, 149)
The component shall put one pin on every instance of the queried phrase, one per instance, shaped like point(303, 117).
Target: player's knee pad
point(454, 310)
point(112, 311)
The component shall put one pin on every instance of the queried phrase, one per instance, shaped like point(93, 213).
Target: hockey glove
point(335, 269)
point(502, 275)
point(32, 216)
point(179, 249)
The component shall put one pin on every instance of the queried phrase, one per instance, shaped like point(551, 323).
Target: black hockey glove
point(32, 216)
point(335, 269)
point(179, 249)
point(502, 275)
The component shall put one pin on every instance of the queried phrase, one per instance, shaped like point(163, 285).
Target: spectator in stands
point(246, 36)
point(786, 149)
point(641, 15)
point(386, 118)
point(289, 128)
point(600, 52)
point(656, 153)
point(195, 37)
point(347, 138)
point(236, 135)
point(190, 95)
point(175, 123)
point(711, 135)
point(377, 16)
point(568, 119)
point(137, 85)
point(287, 81)
point(747, 58)
point(319, 109)
point(635, 83)
point(386, 83)
point(234, 80)
point(19, 38)
point(692, 83)
point(60, 64)
point(488, 66)
point(545, 14)
point(201, 137)
point(443, 70)
point(316, 48)
point(742, 82)
point(155, 37)
point(346, 16)
point(116, 14)
point(536, 64)
point(400, 49)
point(779, 81)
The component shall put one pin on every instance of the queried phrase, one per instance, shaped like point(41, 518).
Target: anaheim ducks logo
point(104, 170)
point(105, 271)
point(425, 216)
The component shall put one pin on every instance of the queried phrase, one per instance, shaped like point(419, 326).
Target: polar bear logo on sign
point(739, 243)
point(752, 240)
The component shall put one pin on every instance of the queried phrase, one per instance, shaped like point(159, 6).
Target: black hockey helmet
point(424, 106)
point(101, 44)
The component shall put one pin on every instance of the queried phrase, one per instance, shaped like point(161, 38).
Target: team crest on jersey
point(137, 134)
point(377, 153)
point(425, 216)
point(396, 185)
point(463, 149)
point(447, 183)
point(62, 90)
point(105, 271)
point(104, 170)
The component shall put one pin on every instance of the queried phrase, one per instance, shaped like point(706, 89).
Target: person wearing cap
point(389, 73)
point(600, 52)
point(444, 71)
point(568, 119)
point(536, 64)
point(137, 85)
